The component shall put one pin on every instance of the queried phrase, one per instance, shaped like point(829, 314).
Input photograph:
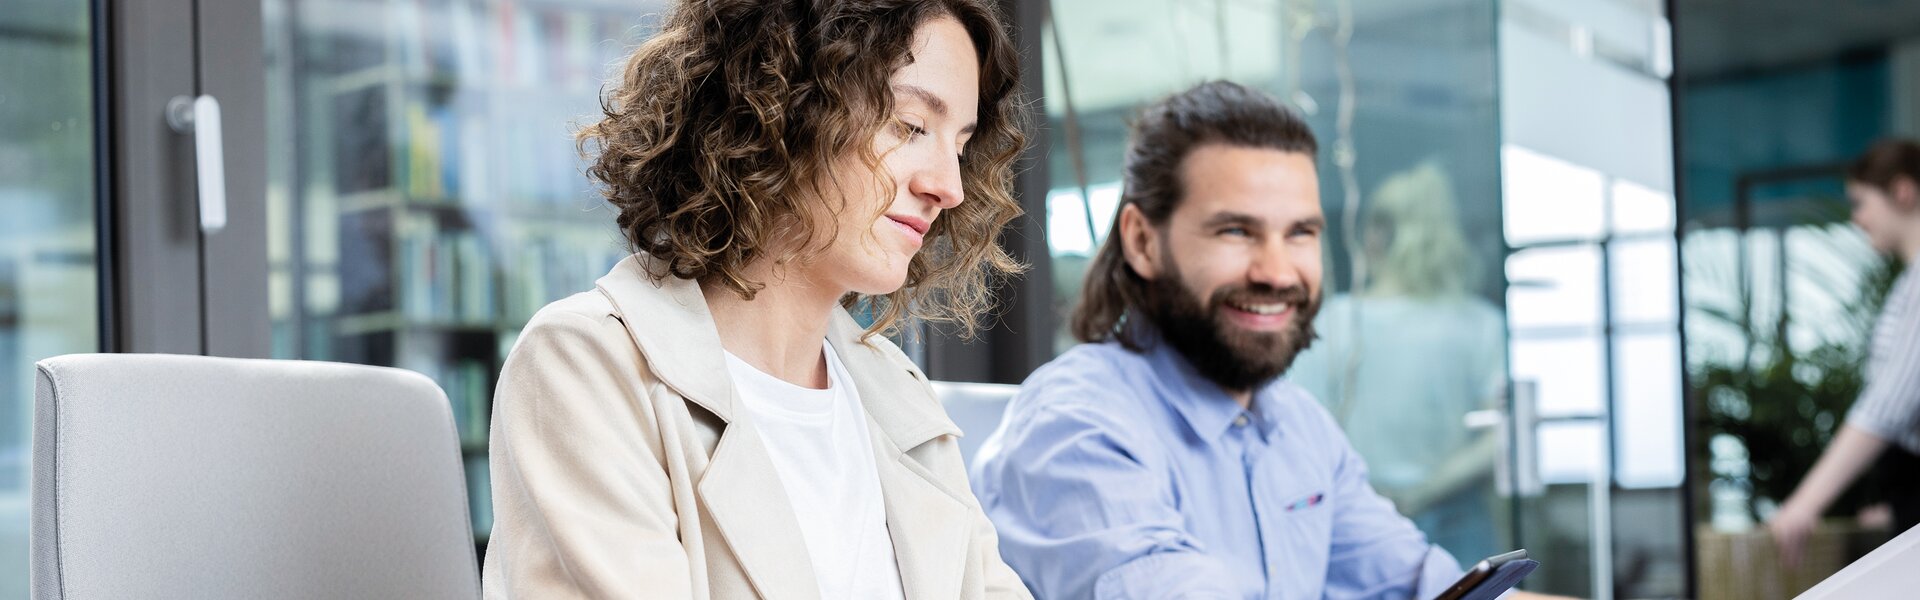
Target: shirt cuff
point(1172, 575)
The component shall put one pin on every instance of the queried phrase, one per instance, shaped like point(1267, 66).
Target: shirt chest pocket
point(1299, 506)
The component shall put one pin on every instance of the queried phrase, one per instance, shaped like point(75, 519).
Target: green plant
point(1784, 404)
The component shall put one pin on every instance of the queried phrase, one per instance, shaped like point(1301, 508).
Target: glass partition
point(1402, 96)
point(49, 274)
point(425, 193)
point(1500, 337)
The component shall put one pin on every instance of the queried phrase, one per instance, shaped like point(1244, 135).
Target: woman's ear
point(1139, 242)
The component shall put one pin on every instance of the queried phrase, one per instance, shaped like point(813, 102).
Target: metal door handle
point(1516, 468)
point(200, 116)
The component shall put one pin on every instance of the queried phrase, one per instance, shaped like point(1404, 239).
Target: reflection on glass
point(1569, 373)
point(1645, 284)
point(1577, 456)
point(428, 197)
point(1401, 363)
point(1646, 409)
point(1412, 336)
point(1640, 209)
point(1548, 199)
point(1555, 286)
point(48, 276)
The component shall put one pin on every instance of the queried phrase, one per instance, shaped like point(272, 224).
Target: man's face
point(1234, 273)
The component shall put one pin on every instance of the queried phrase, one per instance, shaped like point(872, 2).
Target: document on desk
point(1891, 571)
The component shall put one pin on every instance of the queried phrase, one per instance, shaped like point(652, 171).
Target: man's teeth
point(1262, 309)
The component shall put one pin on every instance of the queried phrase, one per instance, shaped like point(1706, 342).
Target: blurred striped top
point(1889, 407)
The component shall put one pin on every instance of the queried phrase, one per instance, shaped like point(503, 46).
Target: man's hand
point(1791, 527)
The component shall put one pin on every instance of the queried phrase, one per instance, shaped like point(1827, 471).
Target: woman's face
point(936, 106)
point(1877, 214)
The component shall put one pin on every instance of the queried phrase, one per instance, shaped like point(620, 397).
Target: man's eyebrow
point(934, 103)
point(1231, 218)
point(1238, 218)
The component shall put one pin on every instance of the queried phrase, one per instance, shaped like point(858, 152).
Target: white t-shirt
point(819, 445)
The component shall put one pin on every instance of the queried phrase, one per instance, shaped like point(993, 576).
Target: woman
point(710, 422)
point(1401, 363)
point(1884, 187)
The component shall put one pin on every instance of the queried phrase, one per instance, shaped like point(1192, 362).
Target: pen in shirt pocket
point(1306, 502)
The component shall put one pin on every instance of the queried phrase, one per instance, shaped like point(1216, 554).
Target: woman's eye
point(912, 131)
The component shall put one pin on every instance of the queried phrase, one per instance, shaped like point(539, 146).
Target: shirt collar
point(1206, 408)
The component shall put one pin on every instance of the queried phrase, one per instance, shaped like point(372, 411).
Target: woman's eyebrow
point(933, 102)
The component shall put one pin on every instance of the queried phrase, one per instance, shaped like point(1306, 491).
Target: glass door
point(1593, 314)
point(49, 276)
point(1403, 96)
point(425, 195)
point(1500, 334)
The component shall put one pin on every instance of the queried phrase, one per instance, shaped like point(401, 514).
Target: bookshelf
point(438, 199)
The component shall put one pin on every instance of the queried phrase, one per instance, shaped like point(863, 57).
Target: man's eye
point(1234, 231)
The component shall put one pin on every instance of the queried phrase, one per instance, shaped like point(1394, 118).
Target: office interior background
point(1618, 225)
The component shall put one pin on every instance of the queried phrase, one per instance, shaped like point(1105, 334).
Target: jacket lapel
point(892, 390)
point(739, 490)
point(666, 318)
point(927, 522)
point(928, 525)
point(743, 497)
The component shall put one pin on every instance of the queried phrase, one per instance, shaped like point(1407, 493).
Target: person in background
point(1402, 362)
point(1164, 457)
point(711, 422)
point(1884, 423)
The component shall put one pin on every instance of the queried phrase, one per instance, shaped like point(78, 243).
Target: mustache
point(1262, 294)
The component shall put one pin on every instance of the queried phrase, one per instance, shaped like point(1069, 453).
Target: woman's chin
point(880, 281)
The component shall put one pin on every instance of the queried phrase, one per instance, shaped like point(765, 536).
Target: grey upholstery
point(168, 476)
point(976, 408)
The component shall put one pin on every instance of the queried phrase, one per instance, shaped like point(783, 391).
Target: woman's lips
point(913, 227)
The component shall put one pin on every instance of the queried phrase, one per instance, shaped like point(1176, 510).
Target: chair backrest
point(169, 476)
point(976, 408)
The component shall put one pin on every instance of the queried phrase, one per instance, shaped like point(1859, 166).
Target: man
point(1164, 457)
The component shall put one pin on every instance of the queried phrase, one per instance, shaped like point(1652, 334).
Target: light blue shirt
point(1124, 475)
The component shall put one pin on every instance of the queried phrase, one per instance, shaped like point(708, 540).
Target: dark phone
point(1496, 574)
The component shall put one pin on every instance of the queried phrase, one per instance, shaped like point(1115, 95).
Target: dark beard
point(1236, 359)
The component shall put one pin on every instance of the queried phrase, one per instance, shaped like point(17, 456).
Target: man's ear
point(1904, 194)
point(1140, 242)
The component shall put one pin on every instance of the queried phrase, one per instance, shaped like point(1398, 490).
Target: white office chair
point(976, 408)
point(168, 476)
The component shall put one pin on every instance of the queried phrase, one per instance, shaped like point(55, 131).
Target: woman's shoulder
point(585, 317)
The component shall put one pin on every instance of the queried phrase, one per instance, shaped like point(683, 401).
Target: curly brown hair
point(723, 134)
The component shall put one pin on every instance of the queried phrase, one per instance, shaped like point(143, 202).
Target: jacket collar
point(669, 320)
point(891, 388)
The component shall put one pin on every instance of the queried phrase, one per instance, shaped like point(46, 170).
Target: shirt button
point(1240, 421)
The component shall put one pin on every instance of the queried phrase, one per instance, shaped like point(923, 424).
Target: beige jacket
point(624, 467)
